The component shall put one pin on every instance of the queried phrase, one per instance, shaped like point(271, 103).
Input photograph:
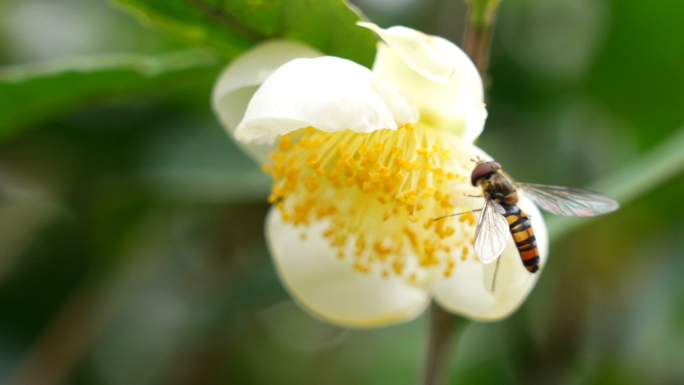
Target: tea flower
point(363, 162)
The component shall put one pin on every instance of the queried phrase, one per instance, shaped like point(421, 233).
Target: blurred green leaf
point(203, 186)
point(634, 180)
point(32, 93)
point(234, 26)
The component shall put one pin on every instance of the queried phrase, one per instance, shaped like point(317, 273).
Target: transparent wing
point(568, 201)
point(491, 234)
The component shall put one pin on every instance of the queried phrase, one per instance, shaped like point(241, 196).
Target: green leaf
point(232, 26)
point(31, 93)
point(632, 181)
point(206, 186)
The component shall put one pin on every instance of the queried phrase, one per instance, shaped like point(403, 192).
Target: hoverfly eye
point(495, 165)
point(480, 170)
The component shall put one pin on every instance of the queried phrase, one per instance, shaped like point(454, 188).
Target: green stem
point(478, 34)
point(445, 329)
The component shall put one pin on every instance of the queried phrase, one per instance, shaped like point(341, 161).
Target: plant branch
point(445, 328)
point(478, 34)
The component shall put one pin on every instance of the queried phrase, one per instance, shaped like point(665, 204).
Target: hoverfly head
point(483, 169)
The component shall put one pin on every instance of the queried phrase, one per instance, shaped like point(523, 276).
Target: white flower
point(364, 162)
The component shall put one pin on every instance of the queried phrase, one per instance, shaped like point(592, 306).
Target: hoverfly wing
point(568, 201)
point(492, 233)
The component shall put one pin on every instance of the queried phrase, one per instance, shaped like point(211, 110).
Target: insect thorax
point(501, 187)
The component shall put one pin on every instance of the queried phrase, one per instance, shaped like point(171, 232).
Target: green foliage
point(233, 26)
point(33, 93)
point(634, 180)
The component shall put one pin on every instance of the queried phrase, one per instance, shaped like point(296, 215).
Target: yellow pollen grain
point(398, 267)
point(367, 186)
point(351, 181)
point(422, 181)
point(467, 217)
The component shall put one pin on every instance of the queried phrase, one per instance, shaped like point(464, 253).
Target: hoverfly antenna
point(453, 215)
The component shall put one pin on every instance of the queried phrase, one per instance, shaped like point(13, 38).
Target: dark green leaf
point(232, 26)
point(32, 93)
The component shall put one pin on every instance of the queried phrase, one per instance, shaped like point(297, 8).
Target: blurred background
point(131, 243)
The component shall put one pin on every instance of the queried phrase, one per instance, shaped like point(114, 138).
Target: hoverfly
point(501, 217)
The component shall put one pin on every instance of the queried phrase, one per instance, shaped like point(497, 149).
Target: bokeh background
point(131, 243)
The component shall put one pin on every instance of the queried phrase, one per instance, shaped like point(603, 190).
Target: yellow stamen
point(375, 193)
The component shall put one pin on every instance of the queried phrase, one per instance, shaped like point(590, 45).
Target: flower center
point(381, 193)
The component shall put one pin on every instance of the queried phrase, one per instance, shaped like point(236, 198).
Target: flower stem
point(444, 328)
point(478, 34)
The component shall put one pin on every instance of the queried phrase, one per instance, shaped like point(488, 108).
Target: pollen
point(379, 193)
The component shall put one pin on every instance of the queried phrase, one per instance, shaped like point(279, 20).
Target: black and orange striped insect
point(501, 217)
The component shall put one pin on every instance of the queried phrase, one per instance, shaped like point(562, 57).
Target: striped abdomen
point(523, 235)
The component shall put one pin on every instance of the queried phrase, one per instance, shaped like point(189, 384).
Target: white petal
point(468, 290)
point(239, 81)
point(433, 57)
point(329, 288)
point(328, 93)
point(451, 106)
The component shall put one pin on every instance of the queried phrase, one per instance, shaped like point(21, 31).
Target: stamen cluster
point(380, 193)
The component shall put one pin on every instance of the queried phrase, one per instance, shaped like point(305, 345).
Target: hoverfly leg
point(496, 270)
point(474, 196)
